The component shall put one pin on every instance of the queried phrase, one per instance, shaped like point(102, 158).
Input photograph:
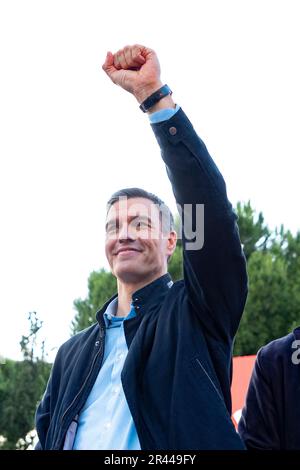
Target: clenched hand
point(136, 69)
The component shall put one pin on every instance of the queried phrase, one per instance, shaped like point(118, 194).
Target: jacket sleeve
point(214, 267)
point(42, 417)
point(258, 426)
point(44, 410)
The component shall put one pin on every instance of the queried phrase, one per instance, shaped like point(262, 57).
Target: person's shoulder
point(277, 350)
point(81, 337)
point(77, 341)
point(179, 284)
point(177, 288)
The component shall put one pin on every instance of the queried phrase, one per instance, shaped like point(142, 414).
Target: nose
point(126, 234)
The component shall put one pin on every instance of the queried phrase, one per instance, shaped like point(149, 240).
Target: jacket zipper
point(101, 349)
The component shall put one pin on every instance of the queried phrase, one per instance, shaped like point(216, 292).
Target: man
point(154, 372)
point(270, 419)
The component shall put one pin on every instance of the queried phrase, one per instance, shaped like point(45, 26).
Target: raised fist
point(134, 68)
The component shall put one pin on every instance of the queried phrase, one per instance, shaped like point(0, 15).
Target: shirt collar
point(109, 315)
point(143, 298)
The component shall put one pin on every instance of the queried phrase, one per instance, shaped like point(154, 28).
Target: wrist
point(155, 97)
point(142, 94)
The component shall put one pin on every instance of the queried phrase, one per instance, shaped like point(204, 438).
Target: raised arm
point(214, 264)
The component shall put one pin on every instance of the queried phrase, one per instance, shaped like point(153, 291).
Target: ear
point(171, 242)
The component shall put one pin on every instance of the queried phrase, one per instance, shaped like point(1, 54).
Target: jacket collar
point(145, 297)
point(152, 293)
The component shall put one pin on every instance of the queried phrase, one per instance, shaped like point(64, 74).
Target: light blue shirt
point(105, 421)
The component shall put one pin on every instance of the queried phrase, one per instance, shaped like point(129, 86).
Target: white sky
point(69, 137)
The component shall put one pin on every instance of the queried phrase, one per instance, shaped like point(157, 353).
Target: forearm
point(194, 175)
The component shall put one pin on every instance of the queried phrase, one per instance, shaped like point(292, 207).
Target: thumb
point(108, 65)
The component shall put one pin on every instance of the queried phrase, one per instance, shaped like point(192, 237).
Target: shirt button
point(172, 130)
point(107, 426)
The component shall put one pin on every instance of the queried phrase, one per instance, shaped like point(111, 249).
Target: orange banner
point(242, 370)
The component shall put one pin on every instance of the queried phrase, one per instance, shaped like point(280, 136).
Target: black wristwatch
point(155, 97)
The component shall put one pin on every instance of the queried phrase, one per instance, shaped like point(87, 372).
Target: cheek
point(161, 248)
point(154, 249)
point(109, 249)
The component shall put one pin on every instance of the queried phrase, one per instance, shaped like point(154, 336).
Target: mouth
point(127, 251)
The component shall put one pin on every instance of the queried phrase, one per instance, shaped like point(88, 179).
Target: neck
point(125, 292)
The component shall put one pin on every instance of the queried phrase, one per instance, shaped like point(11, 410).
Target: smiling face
point(136, 247)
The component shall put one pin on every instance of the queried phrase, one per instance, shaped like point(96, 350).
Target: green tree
point(101, 286)
point(273, 304)
point(254, 233)
point(291, 250)
point(21, 387)
point(265, 314)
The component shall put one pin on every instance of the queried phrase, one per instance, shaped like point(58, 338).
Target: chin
point(130, 275)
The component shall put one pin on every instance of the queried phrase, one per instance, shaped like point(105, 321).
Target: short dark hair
point(138, 192)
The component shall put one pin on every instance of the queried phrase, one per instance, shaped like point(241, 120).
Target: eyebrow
point(131, 218)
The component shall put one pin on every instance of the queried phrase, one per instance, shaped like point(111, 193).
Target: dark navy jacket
point(271, 416)
point(177, 373)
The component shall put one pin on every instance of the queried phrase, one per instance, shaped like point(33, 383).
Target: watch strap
point(155, 97)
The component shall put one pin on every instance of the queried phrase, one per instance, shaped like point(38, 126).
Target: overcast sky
point(69, 137)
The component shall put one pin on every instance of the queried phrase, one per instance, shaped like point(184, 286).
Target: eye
point(142, 224)
point(112, 228)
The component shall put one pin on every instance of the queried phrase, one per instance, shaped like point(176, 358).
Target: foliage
point(21, 387)
point(102, 285)
point(253, 231)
